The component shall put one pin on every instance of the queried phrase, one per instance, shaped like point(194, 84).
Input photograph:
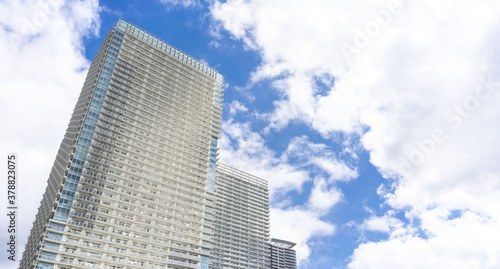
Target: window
point(48, 256)
point(49, 245)
point(54, 236)
point(56, 226)
point(42, 265)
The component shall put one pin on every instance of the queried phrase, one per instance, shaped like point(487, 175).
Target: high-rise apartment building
point(282, 254)
point(133, 183)
point(241, 226)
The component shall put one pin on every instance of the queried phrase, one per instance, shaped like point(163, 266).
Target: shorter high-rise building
point(241, 221)
point(282, 254)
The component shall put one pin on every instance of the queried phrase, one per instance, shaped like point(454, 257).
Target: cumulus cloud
point(243, 148)
point(418, 82)
point(322, 196)
point(469, 241)
point(236, 107)
point(298, 225)
point(306, 153)
point(42, 71)
point(386, 224)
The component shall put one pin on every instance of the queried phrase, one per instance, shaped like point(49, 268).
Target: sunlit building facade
point(241, 220)
point(133, 183)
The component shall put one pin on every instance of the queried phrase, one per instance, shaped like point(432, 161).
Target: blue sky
point(374, 122)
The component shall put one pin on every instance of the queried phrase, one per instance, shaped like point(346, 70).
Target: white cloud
point(414, 90)
point(336, 169)
point(470, 241)
point(245, 149)
point(387, 223)
point(299, 225)
point(42, 71)
point(321, 156)
point(322, 196)
point(236, 107)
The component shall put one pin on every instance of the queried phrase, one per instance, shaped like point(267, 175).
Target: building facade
point(241, 226)
point(134, 179)
point(282, 254)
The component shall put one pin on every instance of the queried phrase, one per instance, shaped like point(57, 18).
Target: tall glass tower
point(137, 167)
